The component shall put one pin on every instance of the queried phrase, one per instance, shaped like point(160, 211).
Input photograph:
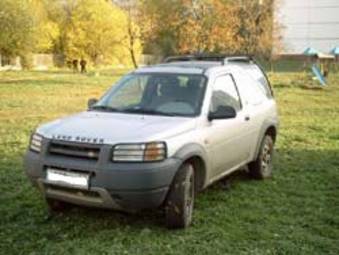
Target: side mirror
point(222, 112)
point(91, 102)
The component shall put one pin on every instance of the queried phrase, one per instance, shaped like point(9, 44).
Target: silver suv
point(158, 136)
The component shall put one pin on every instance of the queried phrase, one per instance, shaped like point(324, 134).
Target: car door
point(228, 146)
point(255, 104)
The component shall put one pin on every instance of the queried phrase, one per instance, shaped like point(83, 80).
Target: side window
point(257, 74)
point(250, 88)
point(225, 93)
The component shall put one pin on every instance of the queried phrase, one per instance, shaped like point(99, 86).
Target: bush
point(27, 61)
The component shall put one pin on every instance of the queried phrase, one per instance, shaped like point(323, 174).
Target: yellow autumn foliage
point(98, 31)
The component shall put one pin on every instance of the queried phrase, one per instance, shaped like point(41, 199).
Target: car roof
point(209, 68)
point(189, 67)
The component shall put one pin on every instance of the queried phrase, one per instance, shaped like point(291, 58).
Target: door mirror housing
point(222, 112)
point(91, 102)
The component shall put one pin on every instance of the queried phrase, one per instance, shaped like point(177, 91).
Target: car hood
point(112, 128)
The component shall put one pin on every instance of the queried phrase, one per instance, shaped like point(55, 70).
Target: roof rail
point(223, 59)
point(245, 59)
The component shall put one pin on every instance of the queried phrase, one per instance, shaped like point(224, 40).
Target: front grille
point(75, 150)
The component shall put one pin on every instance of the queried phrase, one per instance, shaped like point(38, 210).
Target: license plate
point(67, 178)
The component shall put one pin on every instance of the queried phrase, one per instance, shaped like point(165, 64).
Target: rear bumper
point(121, 186)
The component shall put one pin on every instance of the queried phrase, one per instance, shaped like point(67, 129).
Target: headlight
point(145, 152)
point(36, 142)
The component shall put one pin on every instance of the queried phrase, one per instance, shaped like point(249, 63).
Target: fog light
point(36, 142)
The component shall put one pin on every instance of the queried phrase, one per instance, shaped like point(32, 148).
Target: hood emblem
point(80, 139)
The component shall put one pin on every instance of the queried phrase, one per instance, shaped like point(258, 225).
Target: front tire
point(262, 167)
point(180, 200)
point(56, 206)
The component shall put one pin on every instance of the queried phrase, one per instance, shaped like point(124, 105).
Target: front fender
point(195, 150)
point(191, 150)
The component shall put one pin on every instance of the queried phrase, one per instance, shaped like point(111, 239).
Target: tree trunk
point(131, 44)
point(133, 58)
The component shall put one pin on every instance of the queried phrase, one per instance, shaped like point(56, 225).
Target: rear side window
point(250, 89)
point(257, 74)
point(225, 93)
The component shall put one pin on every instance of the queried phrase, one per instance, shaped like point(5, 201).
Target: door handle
point(247, 118)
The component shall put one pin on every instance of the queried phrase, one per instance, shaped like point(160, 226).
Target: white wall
point(309, 23)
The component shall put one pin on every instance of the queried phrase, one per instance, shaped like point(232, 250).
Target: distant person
point(83, 64)
point(75, 63)
point(69, 64)
point(326, 69)
point(326, 72)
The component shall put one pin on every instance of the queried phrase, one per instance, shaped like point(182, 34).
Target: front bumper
point(121, 186)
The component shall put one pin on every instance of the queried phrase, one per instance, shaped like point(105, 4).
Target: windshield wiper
point(147, 111)
point(130, 110)
point(104, 108)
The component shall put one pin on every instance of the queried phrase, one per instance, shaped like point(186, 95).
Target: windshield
point(156, 94)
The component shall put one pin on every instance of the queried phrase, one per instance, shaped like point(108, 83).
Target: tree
point(206, 28)
point(25, 28)
point(47, 31)
point(162, 19)
point(132, 10)
point(259, 32)
point(227, 26)
point(190, 26)
point(17, 26)
point(60, 13)
point(94, 29)
point(256, 27)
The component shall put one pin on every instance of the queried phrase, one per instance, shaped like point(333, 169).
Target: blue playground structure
point(321, 62)
point(311, 52)
point(335, 51)
point(320, 77)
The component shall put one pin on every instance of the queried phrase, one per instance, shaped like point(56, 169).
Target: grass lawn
point(297, 212)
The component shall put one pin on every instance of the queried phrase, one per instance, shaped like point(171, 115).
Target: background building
point(309, 23)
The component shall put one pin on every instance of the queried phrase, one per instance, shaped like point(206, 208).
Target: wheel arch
point(195, 154)
point(272, 131)
point(268, 129)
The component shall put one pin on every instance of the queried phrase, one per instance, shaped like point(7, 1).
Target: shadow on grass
point(91, 73)
point(57, 71)
point(154, 217)
point(146, 218)
point(312, 87)
point(37, 82)
point(301, 170)
point(48, 82)
point(60, 79)
point(300, 86)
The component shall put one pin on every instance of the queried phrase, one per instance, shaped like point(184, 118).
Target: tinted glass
point(225, 93)
point(250, 89)
point(255, 72)
point(163, 94)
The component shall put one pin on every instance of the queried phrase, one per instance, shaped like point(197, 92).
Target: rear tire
point(262, 167)
point(180, 200)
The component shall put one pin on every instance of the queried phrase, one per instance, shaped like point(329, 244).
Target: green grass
point(297, 212)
